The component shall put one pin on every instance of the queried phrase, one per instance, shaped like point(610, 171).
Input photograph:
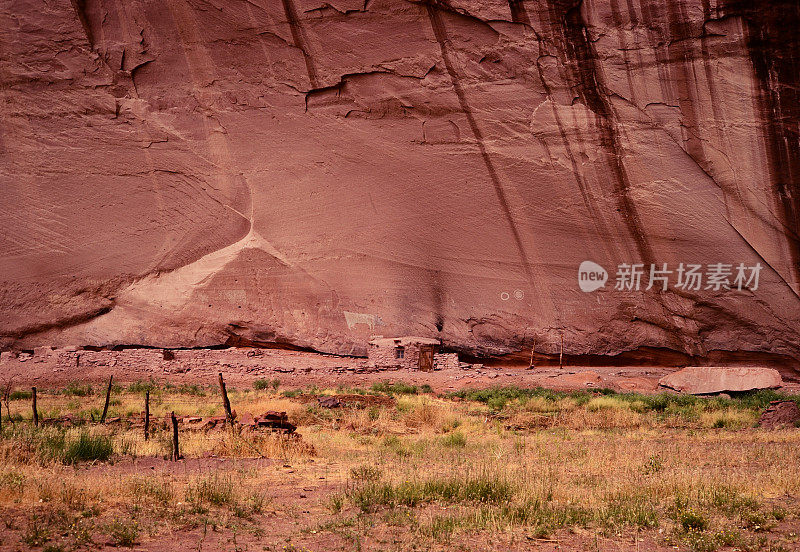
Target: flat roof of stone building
point(403, 341)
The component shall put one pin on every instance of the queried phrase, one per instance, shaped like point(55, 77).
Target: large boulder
point(779, 414)
point(704, 380)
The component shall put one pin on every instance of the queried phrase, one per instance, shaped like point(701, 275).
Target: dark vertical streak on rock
point(656, 40)
point(441, 37)
point(566, 16)
point(518, 12)
point(588, 200)
point(80, 10)
point(773, 41)
point(710, 81)
point(299, 39)
point(618, 24)
point(565, 19)
point(680, 56)
point(583, 186)
point(437, 292)
point(634, 17)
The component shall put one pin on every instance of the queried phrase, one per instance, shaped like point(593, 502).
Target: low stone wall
point(446, 361)
point(132, 364)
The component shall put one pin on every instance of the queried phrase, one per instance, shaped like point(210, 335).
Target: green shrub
point(442, 527)
point(692, 520)
point(653, 465)
point(254, 504)
point(497, 397)
point(544, 516)
point(635, 510)
point(193, 389)
point(374, 413)
point(123, 532)
point(88, 447)
point(366, 473)
point(336, 502)
point(75, 389)
point(52, 445)
point(497, 403)
point(728, 500)
point(395, 444)
point(19, 395)
point(37, 533)
point(158, 491)
point(454, 440)
point(687, 407)
point(483, 488)
point(398, 388)
point(215, 490)
point(760, 399)
point(49, 444)
point(262, 384)
point(142, 386)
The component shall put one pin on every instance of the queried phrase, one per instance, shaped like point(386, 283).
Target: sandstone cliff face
point(181, 172)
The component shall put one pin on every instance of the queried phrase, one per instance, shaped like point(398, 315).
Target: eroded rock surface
point(187, 172)
point(780, 414)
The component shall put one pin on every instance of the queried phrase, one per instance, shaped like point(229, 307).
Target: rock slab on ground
point(703, 380)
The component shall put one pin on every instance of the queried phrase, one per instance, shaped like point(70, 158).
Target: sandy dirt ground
point(299, 491)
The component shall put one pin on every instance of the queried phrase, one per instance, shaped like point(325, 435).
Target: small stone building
point(414, 353)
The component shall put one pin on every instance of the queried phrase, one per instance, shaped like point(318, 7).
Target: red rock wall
point(182, 172)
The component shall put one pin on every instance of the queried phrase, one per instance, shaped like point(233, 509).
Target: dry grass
point(502, 462)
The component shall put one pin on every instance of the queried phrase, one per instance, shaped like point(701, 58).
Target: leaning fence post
point(226, 403)
point(146, 415)
point(175, 450)
point(35, 412)
point(108, 397)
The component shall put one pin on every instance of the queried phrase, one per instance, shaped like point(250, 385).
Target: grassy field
point(405, 469)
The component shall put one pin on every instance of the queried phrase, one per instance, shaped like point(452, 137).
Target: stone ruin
point(409, 352)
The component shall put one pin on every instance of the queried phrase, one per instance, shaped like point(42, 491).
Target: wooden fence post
point(226, 403)
point(533, 351)
point(108, 397)
point(35, 412)
point(146, 415)
point(7, 399)
point(175, 450)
